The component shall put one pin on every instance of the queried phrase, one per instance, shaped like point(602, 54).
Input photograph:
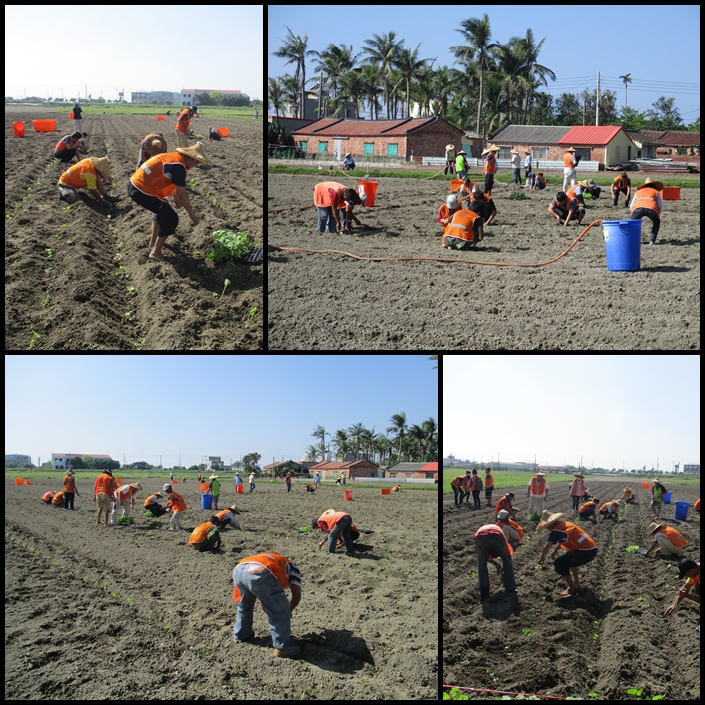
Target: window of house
point(392, 150)
point(617, 150)
point(539, 152)
point(584, 153)
point(323, 147)
point(303, 146)
point(368, 149)
point(504, 153)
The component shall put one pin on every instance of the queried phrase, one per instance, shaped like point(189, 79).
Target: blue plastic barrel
point(681, 512)
point(622, 245)
point(667, 498)
point(206, 501)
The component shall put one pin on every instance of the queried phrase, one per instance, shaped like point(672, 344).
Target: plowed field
point(72, 276)
point(609, 637)
point(133, 612)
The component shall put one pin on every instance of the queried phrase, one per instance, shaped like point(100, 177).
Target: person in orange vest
point(687, 568)
point(47, 497)
point(489, 486)
point(577, 489)
point(151, 145)
point(467, 189)
point(537, 182)
point(570, 162)
point(176, 505)
point(647, 203)
point(490, 166)
point(264, 577)
point(396, 488)
point(335, 523)
point(465, 229)
point(58, 499)
point(476, 482)
point(227, 517)
point(331, 197)
point(448, 210)
point(489, 210)
point(579, 546)
point(696, 506)
point(628, 495)
point(125, 498)
point(85, 174)
point(182, 126)
point(460, 487)
point(67, 148)
point(513, 532)
point(151, 504)
point(69, 489)
point(609, 509)
point(104, 494)
point(505, 502)
point(567, 209)
point(537, 492)
point(158, 178)
point(588, 510)
point(666, 540)
point(491, 543)
point(206, 537)
point(621, 184)
point(287, 481)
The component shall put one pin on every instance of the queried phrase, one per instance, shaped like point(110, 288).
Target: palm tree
point(477, 34)
point(352, 90)
point(320, 433)
point(418, 441)
point(383, 445)
point(295, 50)
point(534, 74)
point(382, 52)
point(335, 62)
point(356, 433)
point(371, 89)
point(399, 427)
point(341, 443)
point(368, 437)
point(434, 357)
point(275, 94)
point(408, 64)
point(442, 89)
point(430, 428)
point(312, 453)
point(626, 80)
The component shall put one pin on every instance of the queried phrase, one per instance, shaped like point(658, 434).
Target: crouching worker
point(58, 499)
point(580, 548)
point(151, 504)
point(609, 509)
point(67, 147)
point(85, 174)
point(564, 209)
point(491, 543)
point(213, 134)
point(334, 524)
point(448, 210)
point(588, 510)
point(47, 497)
point(489, 210)
point(227, 517)
point(351, 198)
point(125, 498)
point(151, 145)
point(206, 536)
point(688, 568)
point(512, 531)
point(158, 178)
point(628, 495)
point(465, 229)
point(264, 577)
point(621, 184)
point(647, 203)
point(666, 540)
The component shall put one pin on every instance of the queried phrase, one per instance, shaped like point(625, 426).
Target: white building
point(18, 459)
point(58, 460)
point(212, 462)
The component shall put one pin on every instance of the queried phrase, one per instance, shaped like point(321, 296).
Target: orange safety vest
point(673, 536)
point(48, 496)
point(490, 166)
point(69, 483)
point(489, 482)
point(568, 160)
point(125, 492)
point(273, 562)
point(458, 481)
point(58, 498)
point(200, 533)
point(61, 145)
point(462, 226)
point(473, 187)
point(322, 198)
point(72, 176)
point(488, 529)
point(538, 485)
point(591, 504)
point(621, 182)
point(104, 485)
point(570, 194)
point(503, 503)
point(606, 507)
point(150, 179)
point(445, 212)
point(223, 514)
point(182, 126)
point(578, 540)
point(152, 499)
point(176, 502)
point(696, 506)
point(577, 487)
point(540, 180)
point(646, 198)
point(330, 520)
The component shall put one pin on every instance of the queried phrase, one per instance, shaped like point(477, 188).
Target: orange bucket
point(18, 128)
point(240, 489)
point(175, 481)
point(645, 485)
point(204, 487)
point(671, 193)
point(70, 116)
point(18, 481)
point(160, 117)
point(119, 480)
point(223, 131)
point(44, 125)
point(385, 490)
point(455, 185)
point(27, 482)
point(347, 494)
point(370, 188)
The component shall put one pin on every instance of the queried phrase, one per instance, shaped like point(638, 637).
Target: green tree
point(664, 115)
point(626, 81)
point(250, 463)
point(398, 426)
point(295, 50)
point(382, 52)
point(320, 433)
point(356, 431)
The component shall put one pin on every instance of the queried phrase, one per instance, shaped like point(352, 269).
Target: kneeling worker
point(580, 548)
point(227, 517)
point(85, 175)
point(587, 510)
point(151, 504)
point(448, 210)
point(561, 208)
point(206, 536)
point(610, 509)
point(489, 210)
point(464, 229)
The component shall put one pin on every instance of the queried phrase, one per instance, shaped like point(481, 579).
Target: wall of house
point(618, 150)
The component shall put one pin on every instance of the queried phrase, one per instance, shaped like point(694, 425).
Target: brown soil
point(172, 305)
point(367, 625)
point(637, 646)
point(334, 302)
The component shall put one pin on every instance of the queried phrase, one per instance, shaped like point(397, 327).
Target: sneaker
point(287, 654)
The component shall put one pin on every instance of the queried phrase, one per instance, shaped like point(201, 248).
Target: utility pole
point(597, 104)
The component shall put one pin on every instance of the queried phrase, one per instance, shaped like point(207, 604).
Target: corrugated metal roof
point(589, 135)
point(643, 138)
point(674, 139)
point(333, 127)
point(528, 134)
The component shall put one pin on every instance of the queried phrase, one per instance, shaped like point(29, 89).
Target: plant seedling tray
point(254, 256)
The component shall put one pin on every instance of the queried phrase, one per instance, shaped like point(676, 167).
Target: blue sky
point(608, 408)
point(661, 51)
point(205, 405)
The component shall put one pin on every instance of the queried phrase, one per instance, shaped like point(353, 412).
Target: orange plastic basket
point(385, 490)
point(160, 117)
point(645, 485)
point(455, 185)
point(44, 125)
point(27, 482)
point(223, 131)
point(18, 481)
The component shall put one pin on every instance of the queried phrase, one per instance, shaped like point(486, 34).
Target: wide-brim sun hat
point(234, 509)
point(69, 472)
point(651, 184)
point(136, 485)
point(197, 152)
point(102, 164)
point(213, 477)
point(541, 473)
point(655, 526)
point(580, 475)
point(570, 149)
point(547, 519)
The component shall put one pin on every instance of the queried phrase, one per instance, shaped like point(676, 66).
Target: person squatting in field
point(47, 497)
point(465, 228)
point(621, 184)
point(264, 577)
point(665, 539)
point(151, 504)
point(213, 134)
point(564, 208)
point(579, 546)
point(68, 147)
point(85, 174)
point(206, 536)
point(609, 509)
point(158, 178)
point(687, 568)
point(334, 524)
point(588, 510)
point(331, 199)
point(150, 146)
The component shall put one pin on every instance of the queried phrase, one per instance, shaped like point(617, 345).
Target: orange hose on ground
point(439, 259)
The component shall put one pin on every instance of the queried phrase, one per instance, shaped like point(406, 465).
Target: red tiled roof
point(589, 135)
point(334, 127)
point(429, 467)
point(674, 139)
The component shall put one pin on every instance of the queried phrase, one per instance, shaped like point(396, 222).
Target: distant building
point(212, 462)
point(188, 95)
point(409, 471)
point(160, 96)
point(352, 469)
point(19, 459)
point(58, 460)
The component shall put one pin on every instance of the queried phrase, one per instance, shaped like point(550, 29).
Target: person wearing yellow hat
point(570, 162)
point(647, 203)
point(461, 164)
point(85, 174)
point(490, 166)
point(621, 184)
point(125, 496)
point(665, 539)
point(160, 177)
point(516, 166)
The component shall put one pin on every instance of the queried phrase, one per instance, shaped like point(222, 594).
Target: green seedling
point(50, 254)
point(86, 579)
point(126, 520)
point(227, 283)
point(526, 631)
point(239, 672)
point(140, 343)
point(640, 598)
point(492, 675)
point(197, 253)
point(590, 667)
point(637, 692)
point(130, 602)
point(104, 585)
point(35, 336)
point(8, 217)
point(131, 290)
point(632, 549)
point(114, 594)
point(129, 315)
point(595, 637)
point(304, 529)
point(538, 567)
point(151, 615)
point(67, 208)
point(412, 571)
point(45, 300)
point(251, 313)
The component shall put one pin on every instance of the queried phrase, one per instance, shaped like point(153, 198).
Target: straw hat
point(547, 519)
point(136, 485)
point(158, 494)
point(584, 183)
point(654, 527)
point(196, 152)
point(213, 477)
point(110, 472)
point(577, 474)
point(234, 509)
point(570, 149)
point(102, 164)
point(493, 148)
point(452, 201)
point(540, 473)
point(69, 472)
point(348, 154)
point(462, 151)
point(450, 146)
point(527, 151)
point(651, 184)
point(513, 151)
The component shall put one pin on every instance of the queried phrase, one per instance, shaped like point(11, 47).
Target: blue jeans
point(265, 588)
point(517, 176)
point(343, 526)
point(325, 216)
point(497, 545)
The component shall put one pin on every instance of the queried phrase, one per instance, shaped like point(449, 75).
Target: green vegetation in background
point(206, 111)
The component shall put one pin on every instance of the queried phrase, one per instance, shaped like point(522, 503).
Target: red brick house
point(671, 140)
point(352, 469)
point(410, 471)
point(370, 140)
